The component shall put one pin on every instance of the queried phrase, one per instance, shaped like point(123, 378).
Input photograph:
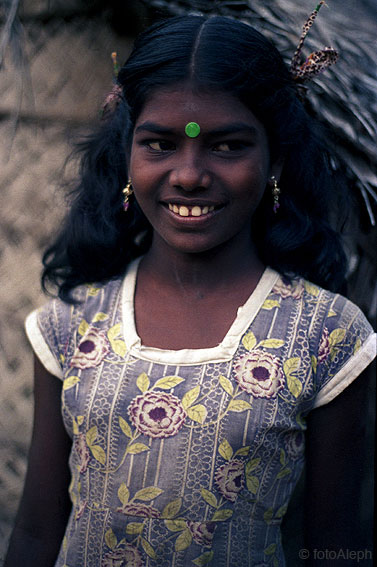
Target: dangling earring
point(275, 193)
point(127, 192)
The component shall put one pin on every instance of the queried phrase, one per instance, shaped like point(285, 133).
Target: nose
point(190, 171)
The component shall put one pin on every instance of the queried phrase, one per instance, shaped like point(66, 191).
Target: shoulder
point(326, 330)
point(52, 329)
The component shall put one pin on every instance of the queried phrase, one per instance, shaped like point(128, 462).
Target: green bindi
point(192, 129)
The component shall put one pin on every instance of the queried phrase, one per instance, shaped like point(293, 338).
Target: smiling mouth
point(190, 211)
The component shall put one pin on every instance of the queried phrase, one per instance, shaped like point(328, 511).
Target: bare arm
point(45, 505)
point(335, 472)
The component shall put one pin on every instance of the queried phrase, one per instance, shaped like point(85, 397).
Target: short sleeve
point(48, 330)
point(346, 347)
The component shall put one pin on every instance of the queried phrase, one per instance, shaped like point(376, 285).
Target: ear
point(277, 167)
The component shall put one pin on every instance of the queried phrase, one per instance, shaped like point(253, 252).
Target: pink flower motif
point(128, 556)
point(324, 346)
point(91, 350)
point(157, 414)
point(286, 288)
point(139, 509)
point(202, 532)
point(230, 479)
point(259, 374)
point(82, 451)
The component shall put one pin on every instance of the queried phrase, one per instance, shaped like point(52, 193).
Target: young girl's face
point(199, 192)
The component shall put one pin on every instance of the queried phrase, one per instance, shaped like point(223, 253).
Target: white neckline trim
point(220, 353)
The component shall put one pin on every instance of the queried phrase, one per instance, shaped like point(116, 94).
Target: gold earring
point(127, 192)
point(275, 193)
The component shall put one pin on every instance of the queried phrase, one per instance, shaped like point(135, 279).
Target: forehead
point(180, 104)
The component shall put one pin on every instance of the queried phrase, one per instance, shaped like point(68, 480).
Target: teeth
point(195, 211)
point(183, 211)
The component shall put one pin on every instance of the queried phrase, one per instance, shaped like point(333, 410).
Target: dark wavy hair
point(98, 240)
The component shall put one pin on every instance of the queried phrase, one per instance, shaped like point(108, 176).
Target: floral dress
point(189, 457)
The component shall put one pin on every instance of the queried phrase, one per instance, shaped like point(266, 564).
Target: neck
point(216, 269)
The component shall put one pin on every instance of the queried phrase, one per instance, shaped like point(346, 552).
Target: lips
point(190, 210)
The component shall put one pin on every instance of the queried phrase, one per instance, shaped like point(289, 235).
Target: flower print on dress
point(294, 444)
point(230, 479)
point(91, 350)
point(259, 373)
point(139, 509)
point(202, 532)
point(82, 451)
point(157, 414)
point(324, 346)
point(286, 288)
point(128, 556)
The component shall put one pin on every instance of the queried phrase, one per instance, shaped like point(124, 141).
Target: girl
point(191, 367)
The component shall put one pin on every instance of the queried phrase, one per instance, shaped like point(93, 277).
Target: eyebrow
point(232, 128)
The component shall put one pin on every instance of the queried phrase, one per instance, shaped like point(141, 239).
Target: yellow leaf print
point(110, 539)
point(311, 289)
point(168, 382)
point(177, 525)
point(80, 419)
point(183, 541)
point(70, 382)
point(268, 515)
point(249, 341)
point(137, 448)
point(270, 304)
point(134, 528)
point(197, 413)
point(142, 382)
point(123, 494)
point(125, 427)
point(314, 362)
point(357, 346)
point(225, 450)
point(148, 548)
point(114, 331)
point(252, 483)
point(91, 435)
point(83, 327)
point(119, 347)
point(190, 397)
point(172, 509)
point(270, 550)
point(294, 386)
point(336, 336)
point(272, 343)
point(243, 451)
point(99, 317)
point(93, 291)
point(203, 559)
point(148, 493)
point(239, 406)
point(226, 385)
point(222, 515)
point(252, 464)
point(208, 497)
point(291, 365)
point(98, 453)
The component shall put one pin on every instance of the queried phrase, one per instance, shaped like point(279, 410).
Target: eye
point(230, 146)
point(159, 145)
